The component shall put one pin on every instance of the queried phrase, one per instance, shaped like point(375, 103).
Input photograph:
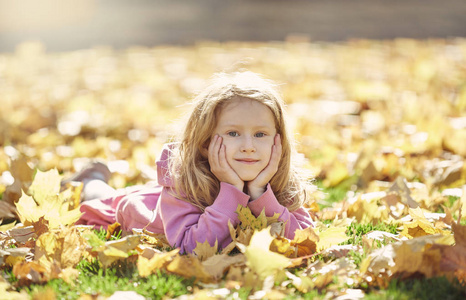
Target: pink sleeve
point(298, 219)
point(186, 224)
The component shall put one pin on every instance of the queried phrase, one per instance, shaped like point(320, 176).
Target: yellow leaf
point(115, 250)
point(247, 219)
point(8, 294)
point(306, 241)
point(45, 185)
point(111, 255)
point(331, 236)
point(189, 267)
point(420, 226)
point(158, 261)
point(203, 250)
point(64, 247)
point(46, 202)
point(28, 210)
point(217, 265)
point(260, 259)
point(336, 174)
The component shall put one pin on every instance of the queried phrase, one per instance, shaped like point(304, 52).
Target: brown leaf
point(7, 211)
point(189, 267)
point(459, 231)
point(204, 250)
point(218, 264)
point(23, 175)
point(156, 262)
point(41, 226)
point(29, 272)
point(113, 230)
point(305, 240)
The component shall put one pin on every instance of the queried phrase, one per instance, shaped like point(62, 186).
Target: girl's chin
point(248, 177)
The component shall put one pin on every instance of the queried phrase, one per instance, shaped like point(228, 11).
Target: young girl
point(235, 150)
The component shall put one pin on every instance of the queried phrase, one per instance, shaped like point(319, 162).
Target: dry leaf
point(189, 267)
point(156, 262)
point(260, 259)
point(218, 264)
point(331, 236)
point(204, 251)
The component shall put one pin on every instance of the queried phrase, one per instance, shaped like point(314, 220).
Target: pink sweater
point(183, 223)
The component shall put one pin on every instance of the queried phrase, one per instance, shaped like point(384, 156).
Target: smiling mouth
point(247, 161)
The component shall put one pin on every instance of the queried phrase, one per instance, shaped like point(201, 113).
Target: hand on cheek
point(257, 186)
point(219, 164)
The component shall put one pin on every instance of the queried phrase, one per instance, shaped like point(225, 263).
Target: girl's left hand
point(257, 186)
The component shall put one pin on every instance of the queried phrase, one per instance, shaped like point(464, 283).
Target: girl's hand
point(219, 165)
point(257, 186)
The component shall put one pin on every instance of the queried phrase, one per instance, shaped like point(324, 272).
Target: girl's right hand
point(220, 166)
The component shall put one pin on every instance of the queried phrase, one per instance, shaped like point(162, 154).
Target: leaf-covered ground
point(381, 126)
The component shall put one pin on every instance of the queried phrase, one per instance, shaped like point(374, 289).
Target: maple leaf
point(260, 259)
point(248, 220)
point(30, 272)
point(366, 210)
point(331, 236)
point(23, 174)
point(46, 202)
point(64, 247)
point(189, 267)
point(420, 226)
point(405, 258)
point(113, 251)
point(203, 250)
point(305, 240)
point(156, 262)
point(218, 264)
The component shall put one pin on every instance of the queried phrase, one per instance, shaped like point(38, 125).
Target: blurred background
point(69, 25)
point(375, 89)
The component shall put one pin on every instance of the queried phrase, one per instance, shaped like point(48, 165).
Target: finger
point(213, 152)
point(223, 157)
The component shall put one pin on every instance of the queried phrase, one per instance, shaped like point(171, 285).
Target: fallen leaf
point(331, 236)
point(218, 264)
point(203, 250)
point(189, 267)
point(306, 240)
point(260, 259)
point(156, 262)
point(28, 273)
point(113, 230)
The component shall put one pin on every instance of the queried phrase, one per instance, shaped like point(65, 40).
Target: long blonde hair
point(193, 180)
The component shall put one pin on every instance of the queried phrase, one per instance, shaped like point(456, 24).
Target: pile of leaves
point(380, 125)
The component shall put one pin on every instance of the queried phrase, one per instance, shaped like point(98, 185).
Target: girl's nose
point(248, 145)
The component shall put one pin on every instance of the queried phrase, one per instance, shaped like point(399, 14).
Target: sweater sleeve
point(185, 224)
point(298, 219)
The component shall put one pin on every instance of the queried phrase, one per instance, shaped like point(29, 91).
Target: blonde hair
point(193, 180)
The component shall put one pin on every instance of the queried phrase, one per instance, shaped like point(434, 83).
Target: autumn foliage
point(382, 121)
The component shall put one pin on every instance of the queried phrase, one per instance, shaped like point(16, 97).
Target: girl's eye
point(233, 133)
point(259, 134)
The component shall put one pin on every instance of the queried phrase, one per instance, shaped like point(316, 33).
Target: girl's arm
point(298, 219)
point(185, 224)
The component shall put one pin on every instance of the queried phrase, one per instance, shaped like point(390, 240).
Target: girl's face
point(247, 128)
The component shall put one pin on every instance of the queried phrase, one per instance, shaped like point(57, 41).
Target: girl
point(235, 150)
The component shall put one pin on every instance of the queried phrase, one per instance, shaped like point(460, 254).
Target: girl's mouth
point(248, 161)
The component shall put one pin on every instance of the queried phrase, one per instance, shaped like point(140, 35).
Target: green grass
point(336, 193)
point(107, 282)
point(420, 289)
point(355, 231)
